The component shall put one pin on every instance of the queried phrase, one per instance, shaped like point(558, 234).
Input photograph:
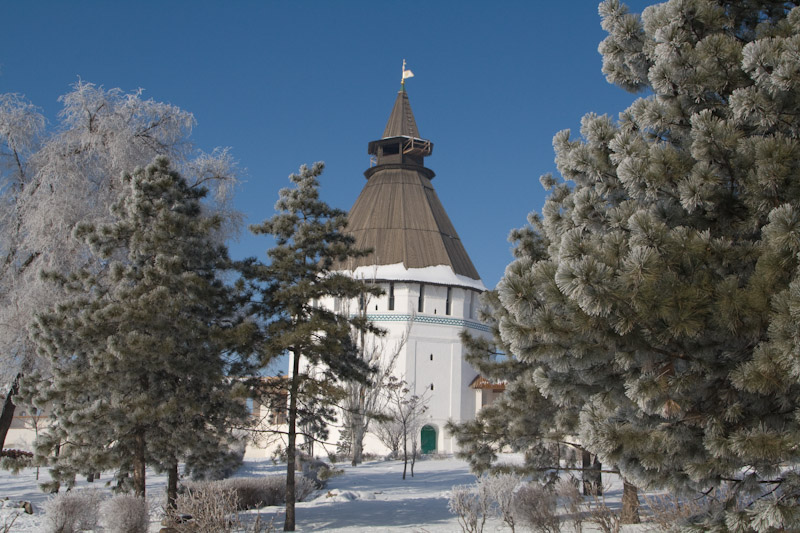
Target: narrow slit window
point(431, 357)
point(431, 386)
point(391, 297)
point(421, 302)
point(447, 306)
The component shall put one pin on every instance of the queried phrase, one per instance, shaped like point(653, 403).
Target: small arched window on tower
point(431, 386)
point(391, 296)
point(447, 303)
point(421, 302)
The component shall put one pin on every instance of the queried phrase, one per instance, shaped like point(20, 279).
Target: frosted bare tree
point(407, 410)
point(364, 402)
point(52, 177)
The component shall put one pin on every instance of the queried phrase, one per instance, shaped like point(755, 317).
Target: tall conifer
point(658, 292)
point(138, 355)
point(308, 242)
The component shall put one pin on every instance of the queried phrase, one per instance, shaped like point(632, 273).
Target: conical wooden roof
point(398, 213)
point(401, 121)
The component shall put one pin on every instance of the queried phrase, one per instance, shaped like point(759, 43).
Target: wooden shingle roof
point(401, 121)
point(398, 213)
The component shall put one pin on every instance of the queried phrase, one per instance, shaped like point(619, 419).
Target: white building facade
point(431, 288)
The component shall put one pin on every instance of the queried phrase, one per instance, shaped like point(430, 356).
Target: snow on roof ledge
point(439, 274)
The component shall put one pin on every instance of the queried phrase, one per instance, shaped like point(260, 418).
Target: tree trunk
point(139, 464)
point(291, 445)
point(586, 474)
point(405, 456)
point(597, 478)
point(357, 437)
point(358, 418)
point(7, 415)
point(592, 475)
point(630, 503)
point(172, 485)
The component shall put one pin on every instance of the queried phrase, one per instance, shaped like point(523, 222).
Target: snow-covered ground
point(371, 497)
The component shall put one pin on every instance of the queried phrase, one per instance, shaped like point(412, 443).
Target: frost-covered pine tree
point(309, 240)
point(139, 358)
point(660, 293)
point(51, 178)
point(522, 419)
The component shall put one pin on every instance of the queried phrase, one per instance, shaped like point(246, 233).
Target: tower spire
point(398, 215)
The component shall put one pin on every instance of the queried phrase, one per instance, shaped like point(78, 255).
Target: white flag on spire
point(407, 74)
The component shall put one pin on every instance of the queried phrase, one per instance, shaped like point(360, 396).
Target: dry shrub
point(601, 515)
point(125, 513)
point(472, 504)
point(502, 489)
point(207, 508)
point(327, 474)
point(535, 506)
point(667, 511)
point(73, 511)
point(257, 492)
point(571, 500)
point(8, 522)
point(213, 507)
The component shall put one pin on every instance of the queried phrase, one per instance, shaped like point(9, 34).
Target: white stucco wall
point(433, 353)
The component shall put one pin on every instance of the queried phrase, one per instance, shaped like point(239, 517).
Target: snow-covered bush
point(125, 513)
point(73, 511)
point(571, 500)
point(472, 504)
point(212, 508)
point(535, 506)
point(330, 473)
point(502, 489)
point(318, 472)
point(254, 493)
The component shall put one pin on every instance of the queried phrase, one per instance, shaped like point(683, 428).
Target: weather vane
point(406, 74)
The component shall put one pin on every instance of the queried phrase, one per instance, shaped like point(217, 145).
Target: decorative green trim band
point(428, 319)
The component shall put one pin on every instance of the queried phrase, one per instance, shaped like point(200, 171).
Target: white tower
point(428, 279)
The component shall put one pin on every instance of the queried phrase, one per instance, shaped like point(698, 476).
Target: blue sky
point(285, 83)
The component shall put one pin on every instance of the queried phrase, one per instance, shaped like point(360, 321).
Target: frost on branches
point(659, 290)
point(139, 359)
point(53, 178)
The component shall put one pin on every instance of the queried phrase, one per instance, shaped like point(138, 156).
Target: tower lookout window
point(447, 302)
point(421, 302)
point(391, 296)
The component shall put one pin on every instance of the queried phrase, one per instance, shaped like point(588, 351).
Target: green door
point(428, 439)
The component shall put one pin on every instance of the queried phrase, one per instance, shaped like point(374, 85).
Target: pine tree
point(308, 242)
point(139, 357)
point(658, 293)
point(522, 419)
